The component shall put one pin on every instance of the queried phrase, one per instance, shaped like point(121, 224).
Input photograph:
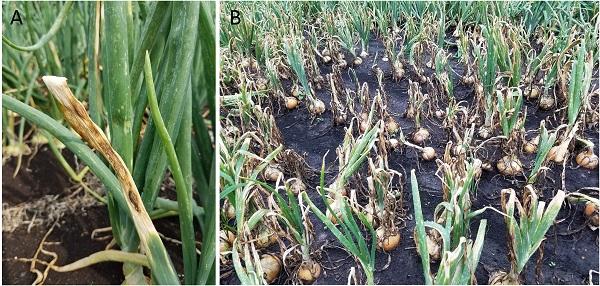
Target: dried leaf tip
point(58, 88)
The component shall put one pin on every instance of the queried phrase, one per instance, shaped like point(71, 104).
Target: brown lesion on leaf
point(134, 200)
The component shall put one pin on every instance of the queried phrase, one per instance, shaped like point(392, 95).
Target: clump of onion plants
point(346, 37)
point(292, 48)
point(293, 213)
point(347, 232)
point(416, 99)
point(339, 95)
point(510, 101)
point(545, 143)
point(351, 155)
point(526, 234)
point(381, 209)
point(458, 258)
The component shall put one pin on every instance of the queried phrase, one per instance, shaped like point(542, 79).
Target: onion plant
point(487, 73)
point(581, 77)
point(457, 264)
point(526, 234)
point(125, 44)
point(292, 49)
point(546, 141)
point(294, 214)
point(347, 230)
point(361, 23)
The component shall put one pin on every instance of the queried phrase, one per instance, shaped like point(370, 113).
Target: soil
point(568, 255)
point(41, 176)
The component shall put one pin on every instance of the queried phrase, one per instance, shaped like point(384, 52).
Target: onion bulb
point(555, 154)
point(509, 165)
point(387, 239)
point(422, 79)
point(291, 102)
point(357, 61)
point(428, 153)
point(546, 102)
point(421, 135)
point(229, 210)
point(391, 126)
point(326, 59)
point(469, 79)
point(440, 114)
point(271, 266)
point(587, 159)
point(534, 93)
point(484, 132)
point(340, 119)
point(364, 54)
point(342, 64)
point(265, 238)
point(434, 243)
point(530, 146)
point(297, 186)
point(272, 173)
point(309, 271)
point(317, 107)
point(591, 213)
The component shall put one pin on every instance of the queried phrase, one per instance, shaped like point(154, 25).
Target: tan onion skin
point(591, 212)
point(309, 271)
point(587, 159)
point(297, 186)
point(387, 239)
point(391, 126)
point(271, 266)
point(271, 174)
point(428, 153)
point(509, 166)
point(530, 147)
point(317, 107)
point(291, 102)
point(433, 240)
point(421, 135)
point(546, 102)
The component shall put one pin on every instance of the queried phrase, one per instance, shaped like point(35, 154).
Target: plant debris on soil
point(40, 179)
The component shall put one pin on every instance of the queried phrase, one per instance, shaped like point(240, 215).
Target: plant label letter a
point(235, 17)
point(16, 18)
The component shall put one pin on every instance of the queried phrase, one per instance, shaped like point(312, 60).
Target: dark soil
point(568, 255)
point(43, 175)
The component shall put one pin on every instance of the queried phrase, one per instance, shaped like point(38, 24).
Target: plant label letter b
point(235, 17)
